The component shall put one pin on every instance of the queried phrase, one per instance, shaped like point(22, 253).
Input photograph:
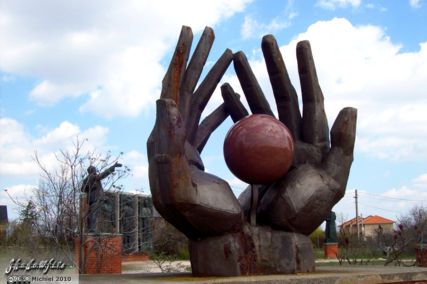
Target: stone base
point(102, 253)
point(256, 250)
point(331, 250)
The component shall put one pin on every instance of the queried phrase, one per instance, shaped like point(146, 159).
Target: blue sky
point(94, 69)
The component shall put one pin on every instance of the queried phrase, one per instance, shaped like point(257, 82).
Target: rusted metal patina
point(222, 240)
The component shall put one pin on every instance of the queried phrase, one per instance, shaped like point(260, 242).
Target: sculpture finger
point(283, 90)
point(314, 123)
point(340, 157)
point(172, 81)
point(195, 202)
point(204, 93)
point(168, 167)
point(208, 125)
point(232, 103)
point(253, 93)
point(194, 69)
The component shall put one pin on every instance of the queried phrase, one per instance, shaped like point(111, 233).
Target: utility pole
point(357, 214)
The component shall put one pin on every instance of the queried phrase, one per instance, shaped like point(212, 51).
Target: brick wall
point(421, 256)
point(103, 253)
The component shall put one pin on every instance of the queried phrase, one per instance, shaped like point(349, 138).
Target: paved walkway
point(324, 274)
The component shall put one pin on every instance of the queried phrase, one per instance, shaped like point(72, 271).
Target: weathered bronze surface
point(92, 185)
point(202, 206)
point(331, 228)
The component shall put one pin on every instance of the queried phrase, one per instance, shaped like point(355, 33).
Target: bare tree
point(410, 234)
point(58, 195)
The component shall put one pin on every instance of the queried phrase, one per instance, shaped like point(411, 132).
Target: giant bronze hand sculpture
point(202, 206)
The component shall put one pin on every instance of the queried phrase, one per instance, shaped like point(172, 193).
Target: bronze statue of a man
point(93, 187)
point(331, 229)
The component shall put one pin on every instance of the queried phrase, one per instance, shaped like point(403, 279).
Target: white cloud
point(251, 28)
point(360, 66)
point(392, 203)
point(333, 4)
point(19, 193)
point(415, 3)
point(421, 181)
point(109, 51)
point(138, 164)
point(15, 146)
point(400, 199)
point(14, 197)
point(18, 146)
point(376, 7)
point(47, 93)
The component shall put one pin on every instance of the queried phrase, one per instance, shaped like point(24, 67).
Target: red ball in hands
point(259, 149)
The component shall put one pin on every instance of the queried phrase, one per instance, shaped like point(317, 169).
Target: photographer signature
point(43, 265)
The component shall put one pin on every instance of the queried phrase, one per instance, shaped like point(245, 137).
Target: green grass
point(319, 253)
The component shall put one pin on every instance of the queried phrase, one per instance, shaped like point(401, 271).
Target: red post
point(331, 250)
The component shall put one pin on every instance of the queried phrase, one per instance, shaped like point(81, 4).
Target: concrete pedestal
point(331, 250)
point(255, 250)
point(102, 253)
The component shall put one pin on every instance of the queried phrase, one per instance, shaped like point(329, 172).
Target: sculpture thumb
point(343, 132)
point(169, 129)
point(340, 157)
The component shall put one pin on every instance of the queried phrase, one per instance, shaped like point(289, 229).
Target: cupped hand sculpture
point(203, 206)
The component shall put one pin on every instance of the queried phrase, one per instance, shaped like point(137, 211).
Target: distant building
point(3, 221)
point(128, 214)
point(368, 226)
point(134, 216)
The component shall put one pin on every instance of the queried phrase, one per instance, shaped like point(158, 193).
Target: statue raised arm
point(93, 187)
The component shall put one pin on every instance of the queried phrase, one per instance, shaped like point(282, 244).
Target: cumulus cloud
point(391, 203)
point(14, 197)
point(376, 7)
point(415, 3)
point(88, 49)
point(15, 148)
point(401, 199)
point(18, 146)
point(252, 28)
point(19, 193)
point(360, 66)
point(333, 4)
point(138, 180)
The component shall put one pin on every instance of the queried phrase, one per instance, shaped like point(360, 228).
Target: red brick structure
point(101, 253)
point(421, 256)
point(331, 250)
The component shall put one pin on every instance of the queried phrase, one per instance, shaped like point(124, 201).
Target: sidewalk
point(324, 274)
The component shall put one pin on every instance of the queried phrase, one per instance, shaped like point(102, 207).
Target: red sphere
point(259, 149)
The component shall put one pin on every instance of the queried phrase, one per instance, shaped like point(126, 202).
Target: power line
point(378, 196)
point(375, 207)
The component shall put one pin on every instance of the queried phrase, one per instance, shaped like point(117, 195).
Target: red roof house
point(368, 226)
